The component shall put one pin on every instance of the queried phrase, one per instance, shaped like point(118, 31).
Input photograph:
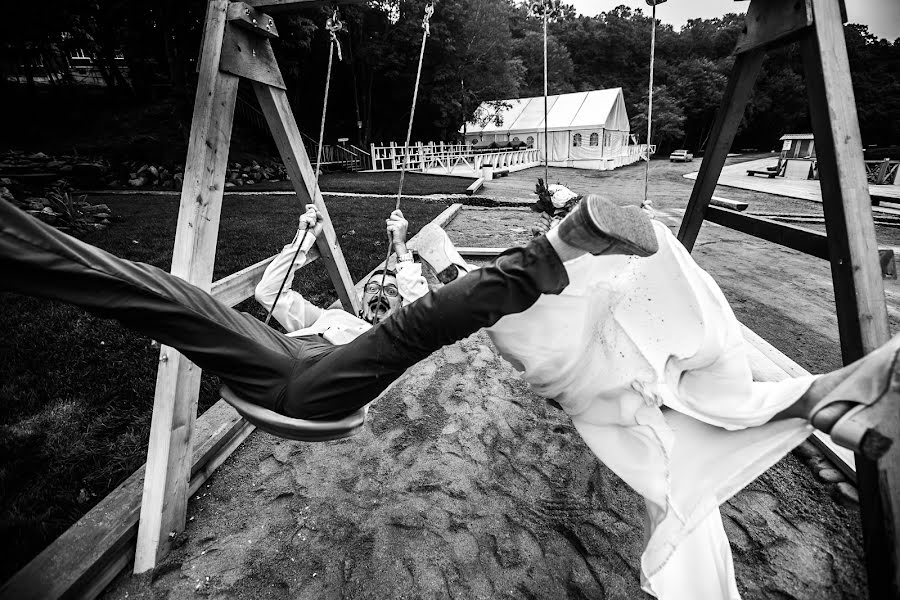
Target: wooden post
point(277, 110)
point(728, 118)
point(858, 289)
point(164, 503)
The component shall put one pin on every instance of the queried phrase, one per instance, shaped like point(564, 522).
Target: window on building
point(474, 141)
point(595, 139)
point(576, 139)
point(530, 141)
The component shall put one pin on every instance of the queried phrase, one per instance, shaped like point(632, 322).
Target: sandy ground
point(464, 484)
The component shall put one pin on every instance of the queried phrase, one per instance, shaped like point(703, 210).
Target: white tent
point(585, 129)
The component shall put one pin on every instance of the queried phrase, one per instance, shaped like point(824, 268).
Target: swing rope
point(333, 25)
point(546, 137)
point(648, 203)
point(426, 31)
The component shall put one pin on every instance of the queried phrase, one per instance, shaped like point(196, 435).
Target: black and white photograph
point(450, 300)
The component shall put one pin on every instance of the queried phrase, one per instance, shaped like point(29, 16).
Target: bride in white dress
point(647, 358)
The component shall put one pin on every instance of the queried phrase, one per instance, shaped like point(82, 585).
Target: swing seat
point(303, 430)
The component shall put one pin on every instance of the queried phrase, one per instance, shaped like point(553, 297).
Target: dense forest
point(479, 50)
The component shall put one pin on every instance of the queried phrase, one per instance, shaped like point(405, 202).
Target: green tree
point(668, 120)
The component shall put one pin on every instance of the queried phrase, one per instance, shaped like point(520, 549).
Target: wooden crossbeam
point(770, 23)
point(250, 56)
point(255, 21)
point(289, 6)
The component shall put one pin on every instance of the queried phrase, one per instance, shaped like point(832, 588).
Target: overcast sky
point(882, 16)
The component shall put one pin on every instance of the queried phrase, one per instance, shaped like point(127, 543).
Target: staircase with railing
point(334, 157)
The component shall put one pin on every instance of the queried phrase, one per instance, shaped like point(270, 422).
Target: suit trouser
point(297, 376)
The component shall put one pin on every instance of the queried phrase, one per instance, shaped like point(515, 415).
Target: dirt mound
point(464, 484)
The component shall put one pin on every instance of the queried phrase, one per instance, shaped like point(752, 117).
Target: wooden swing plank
point(164, 503)
point(770, 364)
point(803, 240)
point(858, 290)
point(277, 110)
point(91, 553)
point(250, 56)
point(735, 205)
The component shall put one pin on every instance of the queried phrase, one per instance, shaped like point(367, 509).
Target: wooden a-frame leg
point(859, 292)
point(164, 504)
point(277, 110)
point(728, 119)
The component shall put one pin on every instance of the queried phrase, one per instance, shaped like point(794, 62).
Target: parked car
point(681, 156)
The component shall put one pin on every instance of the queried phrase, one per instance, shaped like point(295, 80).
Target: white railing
point(631, 155)
point(507, 159)
point(419, 156)
point(449, 157)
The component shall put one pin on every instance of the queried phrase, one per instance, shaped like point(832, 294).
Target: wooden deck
point(736, 176)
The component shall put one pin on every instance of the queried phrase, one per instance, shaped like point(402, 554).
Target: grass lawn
point(382, 182)
point(76, 392)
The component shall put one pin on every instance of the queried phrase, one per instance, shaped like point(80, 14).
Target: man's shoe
point(598, 226)
point(436, 249)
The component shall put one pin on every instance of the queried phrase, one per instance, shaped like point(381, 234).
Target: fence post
point(882, 171)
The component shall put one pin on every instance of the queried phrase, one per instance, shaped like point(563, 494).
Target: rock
point(848, 493)
point(807, 450)
point(65, 169)
point(89, 169)
point(831, 475)
point(103, 215)
point(137, 182)
point(38, 156)
point(4, 181)
point(229, 184)
point(5, 194)
point(55, 164)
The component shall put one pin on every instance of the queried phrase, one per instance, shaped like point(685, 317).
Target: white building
point(586, 130)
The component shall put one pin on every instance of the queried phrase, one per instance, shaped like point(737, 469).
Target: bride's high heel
point(873, 391)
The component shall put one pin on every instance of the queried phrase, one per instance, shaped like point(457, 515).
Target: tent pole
point(650, 99)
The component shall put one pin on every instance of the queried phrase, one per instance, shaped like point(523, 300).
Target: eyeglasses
point(373, 287)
